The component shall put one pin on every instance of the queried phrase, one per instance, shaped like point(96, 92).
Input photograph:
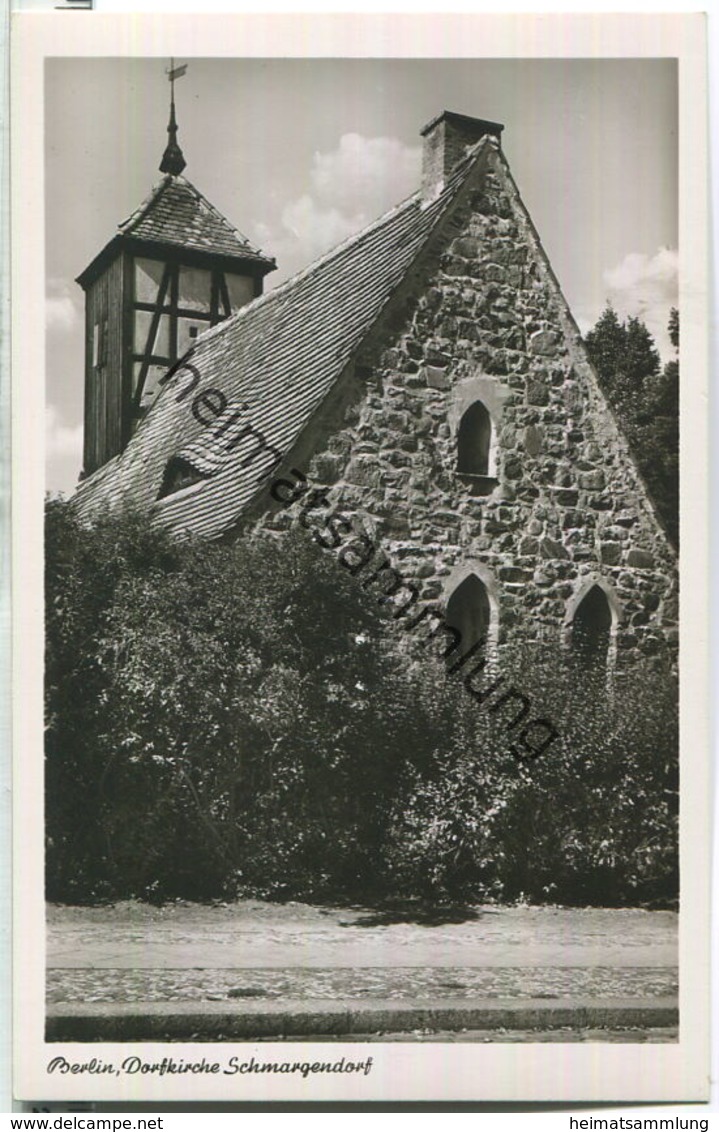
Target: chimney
point(446, 138)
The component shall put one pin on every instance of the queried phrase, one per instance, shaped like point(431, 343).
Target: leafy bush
point(592, 821)
point(213, 719)
point(237, 720)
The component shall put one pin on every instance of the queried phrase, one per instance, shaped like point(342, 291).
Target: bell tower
point(173, 269)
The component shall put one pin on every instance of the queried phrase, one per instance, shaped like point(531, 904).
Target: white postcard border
point(528, 1072)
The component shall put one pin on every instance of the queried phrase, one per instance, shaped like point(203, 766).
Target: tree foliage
point(646, 398)
point(242, 720)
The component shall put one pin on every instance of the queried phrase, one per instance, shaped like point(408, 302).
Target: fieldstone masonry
point(562, 506)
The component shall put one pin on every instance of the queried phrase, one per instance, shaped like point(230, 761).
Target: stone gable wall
point(568, 507)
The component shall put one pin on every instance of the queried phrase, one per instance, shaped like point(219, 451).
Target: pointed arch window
point(476, 449)
point(591, 629)
point(474, 441)
point(468, 611)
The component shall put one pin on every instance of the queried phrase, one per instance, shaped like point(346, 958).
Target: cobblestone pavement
point(253, 951)
point(654, 1036)
point(416, 983)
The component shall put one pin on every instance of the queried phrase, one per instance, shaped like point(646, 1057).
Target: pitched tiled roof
point(176, 213)
point(275, 361)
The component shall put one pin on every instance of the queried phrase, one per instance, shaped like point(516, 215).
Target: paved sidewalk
point(260, 970)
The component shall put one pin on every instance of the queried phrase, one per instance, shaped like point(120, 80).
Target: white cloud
point(62, 440)
point(316, 227)
point(644, 279)
point(62, 306)
point(366, 174)
point(647, 287)
point(349, 188)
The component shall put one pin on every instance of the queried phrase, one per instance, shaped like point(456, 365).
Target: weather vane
point(173, 161)
point(175, 73)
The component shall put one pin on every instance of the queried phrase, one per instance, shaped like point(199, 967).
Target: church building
point(425, 379)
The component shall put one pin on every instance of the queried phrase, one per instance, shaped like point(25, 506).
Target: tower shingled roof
point(177, 213)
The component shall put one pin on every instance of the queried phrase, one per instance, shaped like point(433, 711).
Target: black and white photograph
point(356, 722)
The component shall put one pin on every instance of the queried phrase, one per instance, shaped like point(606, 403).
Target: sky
point(300, 153)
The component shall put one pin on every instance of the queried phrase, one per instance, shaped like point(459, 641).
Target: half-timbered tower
point(173, 269)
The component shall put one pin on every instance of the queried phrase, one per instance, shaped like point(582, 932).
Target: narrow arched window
point(468, 612)
point(592, 628)
point(473, 441)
